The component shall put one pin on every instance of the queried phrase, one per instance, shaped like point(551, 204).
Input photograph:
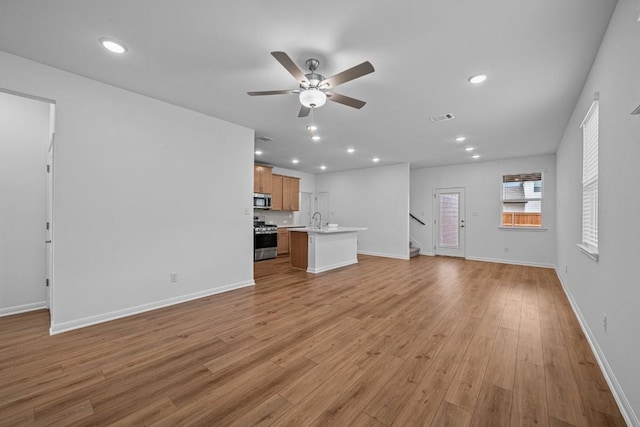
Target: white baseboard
point(396, 256)
point(510, 261)
point(331, 267)
point(10, 311)
point(101, 318)
point(426, 253)
point(625, 407)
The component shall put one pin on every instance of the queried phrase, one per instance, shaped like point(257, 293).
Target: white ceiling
point(205, 56)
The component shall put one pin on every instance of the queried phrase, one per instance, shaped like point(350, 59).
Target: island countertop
point(327, 230)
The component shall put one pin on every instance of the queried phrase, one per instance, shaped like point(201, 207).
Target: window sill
point(590, 252)
point(523, 228)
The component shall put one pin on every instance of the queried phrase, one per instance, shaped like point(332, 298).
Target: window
point(590, 181)
point(522, 200)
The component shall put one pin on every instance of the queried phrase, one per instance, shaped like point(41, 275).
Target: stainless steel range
point(265, 240)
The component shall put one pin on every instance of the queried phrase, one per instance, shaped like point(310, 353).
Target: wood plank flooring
point(432, 341)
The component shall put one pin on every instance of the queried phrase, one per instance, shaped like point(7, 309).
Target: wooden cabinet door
point(295, 194)
point(286, 193)
point(266, 180)
point(262, 179)
point(276, 192)
point(283, 241)
point(290, 193)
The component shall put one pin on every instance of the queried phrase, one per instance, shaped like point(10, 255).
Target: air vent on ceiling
point(441, 117)
point(636, 111)
point(264, 139)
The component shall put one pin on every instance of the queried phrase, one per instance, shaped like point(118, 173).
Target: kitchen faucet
point(319, 216)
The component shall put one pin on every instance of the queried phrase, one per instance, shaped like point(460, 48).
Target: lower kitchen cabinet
point(283, 241)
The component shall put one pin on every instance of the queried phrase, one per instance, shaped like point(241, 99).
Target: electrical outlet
point(604, 322)
point(566, 269)
point(174, 277)
point(506, 249)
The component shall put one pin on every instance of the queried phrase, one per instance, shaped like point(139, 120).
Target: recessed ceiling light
point(461, 138)
point(468, 149)
point(323, 167)
point(476, 156)
point(258, 152)
point(316, 137)
point(113, 46)
point(312, 127)
point(477, 79)
point(375, 159)
point(350, 150)
point(295, 161)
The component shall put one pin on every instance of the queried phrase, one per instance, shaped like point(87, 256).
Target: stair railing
point(414, 217)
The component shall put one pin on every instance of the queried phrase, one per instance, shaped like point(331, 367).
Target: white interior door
point(449, 222)
point(323, 206)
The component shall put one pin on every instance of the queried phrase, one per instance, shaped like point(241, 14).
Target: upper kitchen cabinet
point(290, 193)
point(286, 193)
point(262, 179)
point(276, 192)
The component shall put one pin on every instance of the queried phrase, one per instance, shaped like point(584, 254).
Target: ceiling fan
point(315, 89)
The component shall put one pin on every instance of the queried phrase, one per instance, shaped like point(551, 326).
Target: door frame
point(462, 225)
point(50, 211)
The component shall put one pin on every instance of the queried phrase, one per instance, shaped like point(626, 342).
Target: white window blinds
point(590, 178)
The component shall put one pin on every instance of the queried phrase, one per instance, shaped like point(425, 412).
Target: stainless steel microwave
point(261, 201)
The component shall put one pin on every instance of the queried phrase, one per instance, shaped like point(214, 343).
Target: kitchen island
point(321, 249)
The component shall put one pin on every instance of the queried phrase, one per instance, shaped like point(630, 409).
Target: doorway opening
point(27, 130)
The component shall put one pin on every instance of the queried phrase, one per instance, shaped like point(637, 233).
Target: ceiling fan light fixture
point(313, 98)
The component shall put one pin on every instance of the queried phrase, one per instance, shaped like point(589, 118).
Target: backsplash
point(277, 217)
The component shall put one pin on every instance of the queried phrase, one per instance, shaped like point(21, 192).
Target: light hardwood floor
point(430, 341)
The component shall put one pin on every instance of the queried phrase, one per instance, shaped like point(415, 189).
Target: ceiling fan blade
point(270, 92)
point(348, 75)
point(291, 67)
point(304, 111)
point(346, 100)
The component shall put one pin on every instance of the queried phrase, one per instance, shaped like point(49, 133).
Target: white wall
point(376, 198)
point(612, 285)
point(24, 140)
point(142, 189)
point(483, 183)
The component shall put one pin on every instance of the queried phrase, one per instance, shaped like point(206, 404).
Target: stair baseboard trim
point(511, 261)
point(625, 407)
point(24, 308)
point(118, 314)
point(381, 254)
